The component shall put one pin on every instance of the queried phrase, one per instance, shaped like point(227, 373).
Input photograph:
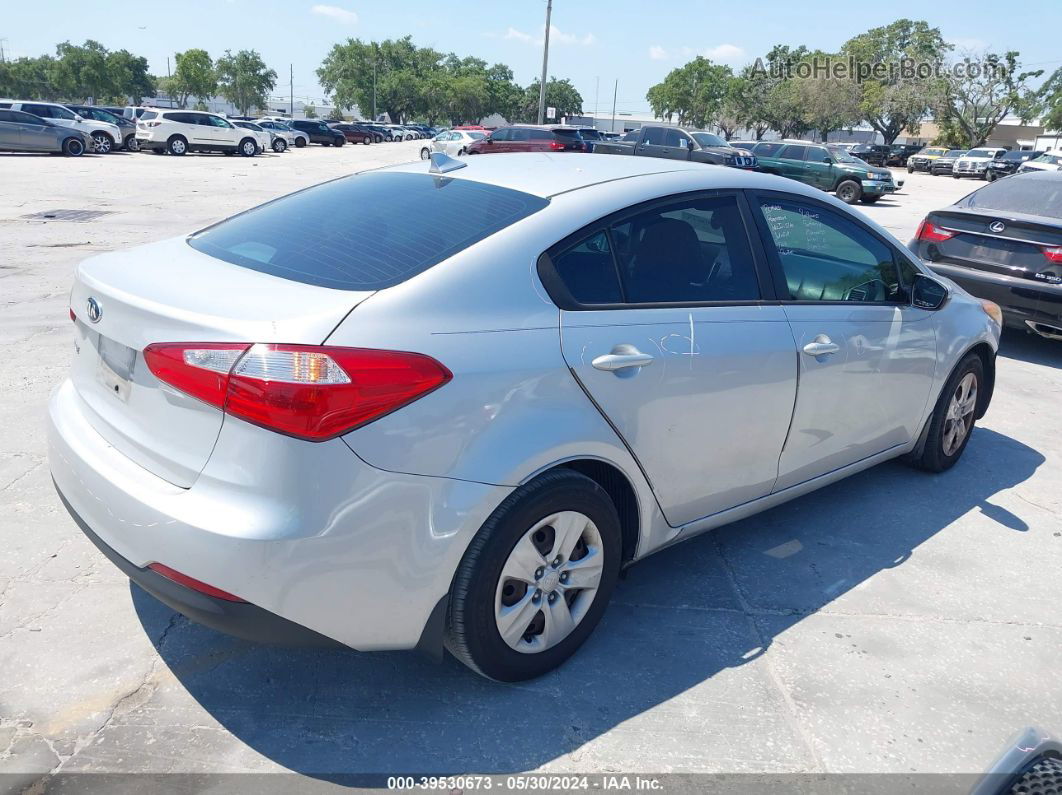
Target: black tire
point(73, 147)
point(425, 154)
point(300, 143)
point(248, 147)
point(933, 457)
point(340, 141)
point(869, 199)
point(910, 169)
point(280, 145)
point(131, 143)
point(104, 144)
point(849, 191)
point(326, 143)
point(954, 176)
point(990, 176)
point(177, 145)
point(472, 632)
point(367, 140)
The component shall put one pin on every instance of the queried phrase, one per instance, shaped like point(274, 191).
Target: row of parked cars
point(987, 163)
point(33, 126)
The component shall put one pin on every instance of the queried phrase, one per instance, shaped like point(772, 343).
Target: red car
point(530, 138)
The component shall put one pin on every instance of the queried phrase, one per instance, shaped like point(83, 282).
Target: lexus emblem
point(997, 226)
point(94, 310)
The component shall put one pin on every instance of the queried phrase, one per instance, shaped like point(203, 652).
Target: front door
point(702, 394)
point(867, 357)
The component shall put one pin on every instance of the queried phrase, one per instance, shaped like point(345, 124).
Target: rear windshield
point(1021, 194)
point(365, 232)
point(567, 133)
point(148, 115)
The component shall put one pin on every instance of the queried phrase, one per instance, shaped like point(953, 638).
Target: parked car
point(24, 132)
point(299, 139)
point(178, 132)
point(126, 127)
point(283, 133)
point(385, 133)
point(1048, 161)
point(925, 157)
point(453, 143)
point(874, 154)
point(318, 132)
point(264, 137)
point(946, 162)
point(354, 133)
point(609, 136)
point(590, 135)
point(105, 136)
point(834, 170)
point(674, 144)
point(1008, 163)
point(529, 138)
point(975, 162)
point(899, 154)
point(402, 133)
point(1003, 242)
point(349, 459)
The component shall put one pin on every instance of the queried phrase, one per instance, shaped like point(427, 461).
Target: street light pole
point(374, 82)
point(545, 64)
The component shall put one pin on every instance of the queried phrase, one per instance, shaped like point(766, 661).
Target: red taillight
point(933, 233)
point(312, 392)
point(556, 146)
point(1053, 254)
point(73, 317)
point(194, 584)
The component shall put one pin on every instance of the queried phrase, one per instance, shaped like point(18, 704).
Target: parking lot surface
point(893, 622)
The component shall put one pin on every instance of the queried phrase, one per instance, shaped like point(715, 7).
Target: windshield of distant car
point(933, 150)
point(708, 139)
point(1021, 193)
point(477, 135)
point(981, 153)
point(1047, 158)
point(345, 234)
point(955, 153)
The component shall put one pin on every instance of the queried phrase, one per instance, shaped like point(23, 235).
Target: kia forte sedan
point(318, 421)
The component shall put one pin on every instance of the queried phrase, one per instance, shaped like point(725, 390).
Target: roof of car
point(547, 174)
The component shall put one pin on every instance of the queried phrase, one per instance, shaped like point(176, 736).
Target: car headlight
point(992, 309)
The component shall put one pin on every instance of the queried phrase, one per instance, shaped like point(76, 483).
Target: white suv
point(106, 137)
point(182, 131)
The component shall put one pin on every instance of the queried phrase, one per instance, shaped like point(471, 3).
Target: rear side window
point(345, 234)
point(589, 272)
point(1021, 194)
point(767, 149)
point(655, 136)
point(793, 152)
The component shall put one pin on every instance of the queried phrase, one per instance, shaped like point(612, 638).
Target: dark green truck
point(829, 168)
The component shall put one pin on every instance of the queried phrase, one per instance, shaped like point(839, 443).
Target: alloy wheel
point(549, 582)
point(960, 416)
point(102, 143)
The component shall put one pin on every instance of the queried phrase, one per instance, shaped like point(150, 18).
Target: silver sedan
point(452, 142)
point(320, 421)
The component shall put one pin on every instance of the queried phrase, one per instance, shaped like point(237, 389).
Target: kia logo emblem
point(997, 226)
point(94, 310)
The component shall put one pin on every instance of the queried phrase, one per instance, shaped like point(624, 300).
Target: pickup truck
point(675, 144)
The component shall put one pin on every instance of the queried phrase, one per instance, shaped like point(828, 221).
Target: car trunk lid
point(1004, 244)
point(169, 292)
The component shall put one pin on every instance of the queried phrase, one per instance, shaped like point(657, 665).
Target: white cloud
point(657, 53)
point(724, 52)
point(336, 13)
point(555, 37)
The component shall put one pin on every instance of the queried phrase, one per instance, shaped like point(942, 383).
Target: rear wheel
point(366, 140)
point(953, 417)
point(535, 580)
point(326, 143)
point(849, 191)
point(73, 147)
point(300, 143)
point(177, 145)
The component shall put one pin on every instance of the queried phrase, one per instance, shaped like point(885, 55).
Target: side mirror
point(928, 293)
point(827, 159)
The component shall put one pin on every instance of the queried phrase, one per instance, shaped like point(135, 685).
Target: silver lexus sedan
point(318, 421)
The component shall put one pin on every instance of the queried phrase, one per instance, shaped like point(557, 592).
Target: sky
point(594, 43)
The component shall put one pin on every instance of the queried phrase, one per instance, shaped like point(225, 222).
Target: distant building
point(1008, 134)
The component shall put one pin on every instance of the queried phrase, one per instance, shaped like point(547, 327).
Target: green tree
point(28, 77)
point(1050, 100)
point(978, 93)
point(560, 94)
point(694, 92)
point(828, 102)
point(894, 101)
point(129, 77)
point(195, 76)
point(245, 80)
point(783, 106)
point(309, 111)
point(746, 100)
point(80, 72)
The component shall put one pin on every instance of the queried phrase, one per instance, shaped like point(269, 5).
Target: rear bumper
point(306, 532)
point(1024, 303)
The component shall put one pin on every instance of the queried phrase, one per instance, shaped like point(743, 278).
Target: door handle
point(821, 346)
point(622, 358)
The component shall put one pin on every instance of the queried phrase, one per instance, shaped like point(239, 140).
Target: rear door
point(34, 134)
point(654, 143)
point(867, 357)
point(791, 162)
point(818, 167)
point(665, 323)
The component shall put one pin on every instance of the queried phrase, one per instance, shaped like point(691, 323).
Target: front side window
point(676, 138)
point(500, 135)
point(827, 257)
point(817, 154)
point(692, 251)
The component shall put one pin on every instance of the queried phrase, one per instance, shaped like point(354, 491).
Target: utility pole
point(597, 89)
point(2, 58)
point(615, 91)
point(167, 66)
point(545, 64)
point(291, 90)
point(374, 81)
